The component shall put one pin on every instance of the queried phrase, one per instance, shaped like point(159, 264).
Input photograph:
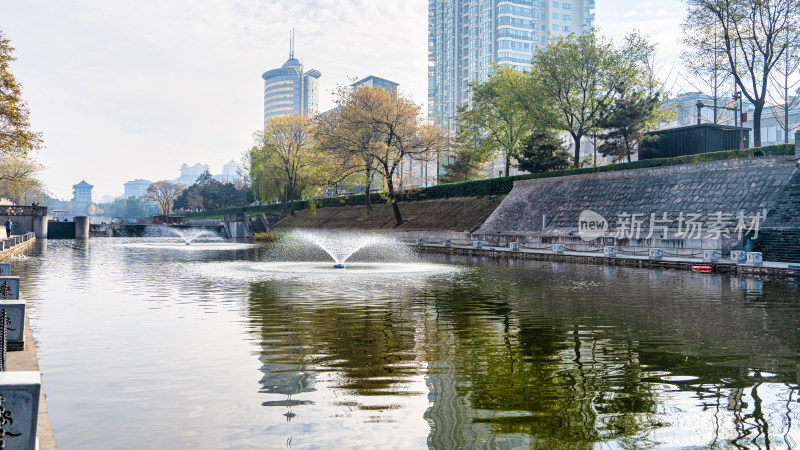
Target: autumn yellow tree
point(284, 162)
point(19, 181)
point(388, 130)
point(349, 147)
point(16, 136)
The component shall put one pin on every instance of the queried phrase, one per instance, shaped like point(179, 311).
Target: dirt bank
point(458, 214)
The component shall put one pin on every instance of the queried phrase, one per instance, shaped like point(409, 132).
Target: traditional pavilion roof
point(82, 185)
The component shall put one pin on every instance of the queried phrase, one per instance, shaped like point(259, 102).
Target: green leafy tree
point(464, 167)
point(543, 151)
point(15, 133)
point(129, 208)
point(576, 77)
point(754, 36)
point(625, 124)
point(494, 123)
point(208, 193)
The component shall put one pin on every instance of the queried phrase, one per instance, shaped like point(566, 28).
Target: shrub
point(267, 237)
point(503, 185)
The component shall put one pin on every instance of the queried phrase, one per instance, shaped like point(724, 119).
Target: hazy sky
point(124, 90)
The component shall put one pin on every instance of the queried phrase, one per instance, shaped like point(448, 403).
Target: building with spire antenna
point(289, 89)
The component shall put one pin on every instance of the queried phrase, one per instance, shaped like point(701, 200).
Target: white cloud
point(126, 90)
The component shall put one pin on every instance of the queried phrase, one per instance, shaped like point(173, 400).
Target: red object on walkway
point(701, 268)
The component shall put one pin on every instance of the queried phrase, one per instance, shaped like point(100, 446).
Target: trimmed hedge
point(503, 185)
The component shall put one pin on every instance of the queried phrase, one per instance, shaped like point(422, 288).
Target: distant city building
point(136, 188)
point(466, 36)
point(378, 82)
point(82, 192)
point(684, 107)
point(290, 90)
point(230, 173)
point(773, 122)
point(190, 174)
point(371, 81)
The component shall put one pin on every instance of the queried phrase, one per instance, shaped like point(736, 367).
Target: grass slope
point(458, 214)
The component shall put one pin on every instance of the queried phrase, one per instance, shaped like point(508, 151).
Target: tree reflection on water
point(531, 354)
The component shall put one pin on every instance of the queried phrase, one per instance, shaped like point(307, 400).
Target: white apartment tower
point(466, 36)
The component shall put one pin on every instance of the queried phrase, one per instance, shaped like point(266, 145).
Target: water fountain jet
point(339, 246)
point(189, 234)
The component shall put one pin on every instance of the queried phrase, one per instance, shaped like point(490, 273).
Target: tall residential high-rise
point(466, 36)
point(290, 90)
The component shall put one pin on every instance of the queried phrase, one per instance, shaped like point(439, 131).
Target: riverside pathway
point(26, 359)
point(768, 268)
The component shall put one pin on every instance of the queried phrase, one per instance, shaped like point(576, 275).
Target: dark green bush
point(503, 185)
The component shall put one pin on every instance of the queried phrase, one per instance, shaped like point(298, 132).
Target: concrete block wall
point(751, 185)
point(769, 186)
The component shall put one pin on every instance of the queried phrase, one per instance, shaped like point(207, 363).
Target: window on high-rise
point(514, 45)
point(515, 10)
point(515, 34)
point(554, 27)
point(515, 22)
point(566, 18)
point(566, 6)
point(555, 4)
point(555, 16)
point(566, 29)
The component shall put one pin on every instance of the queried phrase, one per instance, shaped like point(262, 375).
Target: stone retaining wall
point(546, 211)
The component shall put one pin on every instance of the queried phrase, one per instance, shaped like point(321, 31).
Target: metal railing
point(4, 320)
point(539, 247)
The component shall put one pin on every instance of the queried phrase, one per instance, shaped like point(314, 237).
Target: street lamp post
point(742, 118)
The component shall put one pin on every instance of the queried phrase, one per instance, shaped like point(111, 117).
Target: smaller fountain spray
point(189, 234)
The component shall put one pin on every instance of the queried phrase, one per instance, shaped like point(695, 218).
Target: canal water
point(144, 345)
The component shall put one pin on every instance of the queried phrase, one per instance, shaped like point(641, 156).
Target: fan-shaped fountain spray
point(339, 246)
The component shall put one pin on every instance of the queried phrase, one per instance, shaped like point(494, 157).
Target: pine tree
point(543, 151)
point(466, 166)
point(626, 124)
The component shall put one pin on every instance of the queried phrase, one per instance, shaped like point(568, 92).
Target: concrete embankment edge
point(26, 360)
point(765, 271)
